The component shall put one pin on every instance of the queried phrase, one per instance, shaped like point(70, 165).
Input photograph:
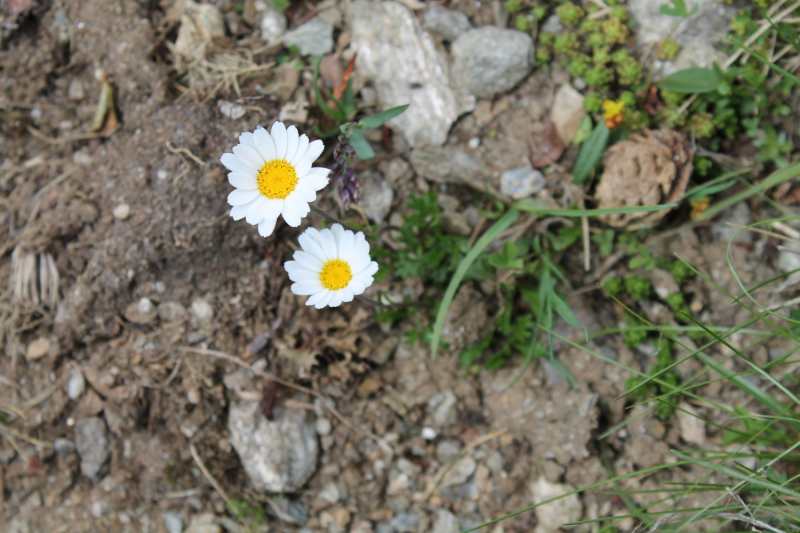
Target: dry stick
point(765, 232)
point(782, 305)
point(266, 375)
point(788, 230)
point(465, 449)
point(587, 249)
point(166, 381)
point(330, 218)
point(208, 475)
point(185, 152)
point(15, 433)
point(64, 140)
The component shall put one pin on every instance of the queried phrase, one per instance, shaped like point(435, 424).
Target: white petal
point(246, 139)
point(328, 243)
point(241, 197)
point(338, 232)
point(310, 245)
point(317, 177)
point(306, 260)
point(371, 269)
point(301, 275)
point(336, 299)
point(242, 181)
point(278, 134)
point(306, 288)
point(248, 156)
point(324, 302)
point(294, 209)
point(302, 148)
point(362, 246)
point(321, 295)
point(357, 286)
point(347, 294)
point(240, 211)
point(267, 226)
point(347, 244)
point(302, 167)
point(315, 150)
point(293, 139)
point(306, 191)
point(257, 211)
point(235, 165)
point(264, 144)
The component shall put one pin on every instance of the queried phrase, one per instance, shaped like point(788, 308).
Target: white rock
point(162, 174)
point(75, 90)
point(172, 312)
point(145, 306)
point(445, 522)
point(329, 493)
point(693, 428)
point(406, 68)
point(231, 110)
point(200, 24)
point(97, 509)
point(76, 384)
point(173, 521)
point(428, 433)
point(122, 211)
point(313, 38)
point(273, 25)
point(323, 426)
point(294, 111)
point(567, 113)
point(554, 514)
point(444, 407)
point(522, 182)
point(202, 311)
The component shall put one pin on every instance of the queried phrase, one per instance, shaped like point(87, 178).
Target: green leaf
point(561, 307)
point(591, 153)
point(280, 5)
point(486, 239)
point(370, 123)
point(543, 209)
point(692, 80)
point(360, 145)
point(678, 9)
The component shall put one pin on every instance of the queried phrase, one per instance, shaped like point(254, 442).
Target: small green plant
point(570, 14)
point(668, 50)
point(613, 285)
point(251, 516)
point(637, 287)
point(679, 9)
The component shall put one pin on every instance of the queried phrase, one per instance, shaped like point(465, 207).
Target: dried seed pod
point(649, 169)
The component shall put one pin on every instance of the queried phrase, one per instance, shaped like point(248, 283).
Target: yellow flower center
point(612, 109)
point(335, 275)
point(277, 179)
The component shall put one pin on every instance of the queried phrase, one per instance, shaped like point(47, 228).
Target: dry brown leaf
point(649, 169)
point(546, 147)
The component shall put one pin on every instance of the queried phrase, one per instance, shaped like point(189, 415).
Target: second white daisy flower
point(273, 176)
point(333, 267)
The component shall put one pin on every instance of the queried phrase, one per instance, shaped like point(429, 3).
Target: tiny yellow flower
point(612, 113)
point(612, 109)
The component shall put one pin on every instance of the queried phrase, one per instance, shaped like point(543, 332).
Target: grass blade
point(591, 152)
point(486, 239)
point(542, 209)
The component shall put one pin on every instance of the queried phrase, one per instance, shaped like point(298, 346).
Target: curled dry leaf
point(649, 169)
point(545, 146)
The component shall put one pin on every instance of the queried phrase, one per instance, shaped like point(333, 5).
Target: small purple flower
point(343, 176)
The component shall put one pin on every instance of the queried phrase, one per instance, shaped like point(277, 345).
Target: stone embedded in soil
point(121, 212)
point(663, 282)
point(200, 25)
point(567, 112)
point(172, 312)
point(447, 449)
point(75, 90)
point(313, 38)
point(444, 406)
point(522, 182)
point(446, 23)
point(273, 25)
point(445, 522)
point(459, 472)
point(75, 384)
point(739, 215)
point(406, 68)
point(449, 164)
point(173, 521)
point(278, 455)
point(329, 493)
point(231, 110)
point(555, 514)
point(64, 446)
point(491, 60)
point(404, 523)
point(204, 523)
point(552, 25)
point(202, 311)
point(455, 223)
point(693, 428)
point(37, 349)
point(376, 196)
point(91, 441)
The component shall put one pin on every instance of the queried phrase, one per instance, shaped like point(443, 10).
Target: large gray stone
point(313, 38)
point(491, 60)
point(406, 68)
point(449, 164)
point(91, 441)
point(557, 513)
point(278, 455)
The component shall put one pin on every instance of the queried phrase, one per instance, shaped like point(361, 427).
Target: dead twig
point(185, 152)
point(74, 138)
point(208, 475)
point(14, 433)
point(765, 232)
point(266, 375)
point(166, 381)
point(464, 450)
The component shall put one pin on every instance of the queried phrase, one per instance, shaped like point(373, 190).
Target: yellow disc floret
point(335, 275)
point(277, 179)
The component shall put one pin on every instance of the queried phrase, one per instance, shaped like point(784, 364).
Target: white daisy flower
point(273, 176)
point(333, 267)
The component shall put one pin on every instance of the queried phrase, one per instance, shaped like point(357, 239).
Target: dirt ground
point(141, 213)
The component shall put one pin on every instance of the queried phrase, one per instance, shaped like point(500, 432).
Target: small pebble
point(75, 90)
point(323, 426)
point(232, 111)
point(162, 174)
point(63, 446)
point(145, 306)
point(428, 433)
point(75, 385)
point(97, 509)
point(122, 211)
point(202, 311)
point(173, 521)
point(193, 396)
point(36, 114)
point(37, 349)
point(474, 142)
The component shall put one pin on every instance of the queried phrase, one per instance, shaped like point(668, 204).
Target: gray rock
point(172, 312)
point(273, 25)
point(173, 521)
point(75, 385)
point(692, 426)
point(739, 215)
point(459, 472)
point(555, 514)
point(468, 491)
point(63, 446)
point(495, 462)
point(456, 223)
point(491, 60)
point(552, 25)
point(313, 38)
point(697, 35)
point(329, 493)
point(91, 441)
point(323, 426)
point(449, 164)
point(75, 90)
point(663, 283)
point(376, 196)
point(293, 508)
point(789, 259)
point(381, 354)
point(404, 522)
point(406, 68)
point(445, 522)
point(204, 523)
point(567, 112)
point(278, 455)
point(447, 449)
point(519, 183)
point(446, 23)
point(202, 311)
point(444, 408)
